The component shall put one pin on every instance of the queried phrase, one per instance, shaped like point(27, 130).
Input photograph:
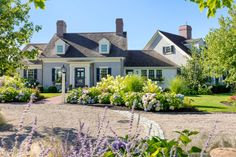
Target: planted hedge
point(128, 91)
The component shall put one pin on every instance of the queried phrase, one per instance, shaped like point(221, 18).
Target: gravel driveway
point(224, 134)
point(60, 119)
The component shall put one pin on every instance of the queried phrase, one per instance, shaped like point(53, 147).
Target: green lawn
point(49, 95)
point(211, 103)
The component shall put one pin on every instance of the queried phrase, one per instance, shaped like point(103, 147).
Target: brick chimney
point(119, 26)
point(61, 27)
point(185, 31)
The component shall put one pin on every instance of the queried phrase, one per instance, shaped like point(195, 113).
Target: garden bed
point(129, 91)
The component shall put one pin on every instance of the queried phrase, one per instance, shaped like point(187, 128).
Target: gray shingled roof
point(40, 46)
point(177, 40)
point(147, 58)
point(87, 45)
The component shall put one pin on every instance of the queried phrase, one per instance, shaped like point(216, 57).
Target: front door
point(79, 77)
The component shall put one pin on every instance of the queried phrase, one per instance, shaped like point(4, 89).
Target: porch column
point(72, 75)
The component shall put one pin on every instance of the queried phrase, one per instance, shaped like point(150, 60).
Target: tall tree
point(220, 54)
point(213, 5)
point(193, 72)
point(15, 31)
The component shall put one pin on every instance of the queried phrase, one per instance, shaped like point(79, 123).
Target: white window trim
point(63, 49)
point(57, 68)
point(104, 41)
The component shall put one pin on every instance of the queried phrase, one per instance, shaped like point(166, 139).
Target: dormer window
point(104, 46)
point(60, 49)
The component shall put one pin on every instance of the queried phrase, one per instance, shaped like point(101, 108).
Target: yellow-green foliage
point(133, 83)
point(178, 85)
point(151, 87)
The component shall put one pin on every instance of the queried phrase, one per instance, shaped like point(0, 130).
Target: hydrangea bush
point(128, 91)
point(12, 89)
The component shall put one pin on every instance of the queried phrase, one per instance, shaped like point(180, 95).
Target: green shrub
point(117, 99)
point(204, 90)
point(170, 101)
point(51, 89)
point(133, 83)
point(220, 89)
point(151, 87)
point(132, 98)
point(104, 98)
point(178, 85)
point(74, 95)
point(94, 92)
point(31, 83)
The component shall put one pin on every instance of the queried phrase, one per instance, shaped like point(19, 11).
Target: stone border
point(155, 130)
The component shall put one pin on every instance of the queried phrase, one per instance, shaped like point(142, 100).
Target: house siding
point(47, 73)
point(167, 73)
point(177, 57)
point(116, 68)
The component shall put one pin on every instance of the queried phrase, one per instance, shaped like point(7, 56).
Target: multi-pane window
point(151, 74)
point(103, 72)
point(129, 72)
point(30, 74)
point(159, 74)
point(59, 49)
point(144, 73)
point(104, 48)
point(58, 75)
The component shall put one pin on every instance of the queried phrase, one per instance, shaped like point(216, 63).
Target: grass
point(50, 95)
point(212, 103)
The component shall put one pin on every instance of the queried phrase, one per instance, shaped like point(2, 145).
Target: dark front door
point(79, 77)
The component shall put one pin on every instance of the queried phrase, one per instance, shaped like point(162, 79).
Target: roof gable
point(87, 45)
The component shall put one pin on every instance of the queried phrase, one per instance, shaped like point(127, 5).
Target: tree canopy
point(213, 5)
point(15, 31)
point(220, 54)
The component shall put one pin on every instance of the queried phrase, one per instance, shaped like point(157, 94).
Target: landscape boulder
point(223, 152)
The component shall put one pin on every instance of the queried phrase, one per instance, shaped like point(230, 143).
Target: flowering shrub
point(85, 98)
point(117, 99)
point(133, 83)
point(170, 101)
point(133, 98)
point(150, 102)
point(13, 89)
point(130, 90)
point(74, 96)
point(232, 98)
point(151, 87)
point(104, 98)
point(94, 93)
point(31, 83)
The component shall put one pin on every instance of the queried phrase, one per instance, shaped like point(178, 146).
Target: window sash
point(151, 74)
point(59, 49)
point(58, 75)
point(158, 74)
point(103, 72)
point(144, 73)
point(30, 74)
point(104, 48)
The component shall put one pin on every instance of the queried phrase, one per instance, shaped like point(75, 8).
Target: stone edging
point(156, 129)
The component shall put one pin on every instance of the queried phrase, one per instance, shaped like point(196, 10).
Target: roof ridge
point(172, 34)
point(90, 32)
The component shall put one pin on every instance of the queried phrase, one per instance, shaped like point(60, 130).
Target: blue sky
point(141, 18)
